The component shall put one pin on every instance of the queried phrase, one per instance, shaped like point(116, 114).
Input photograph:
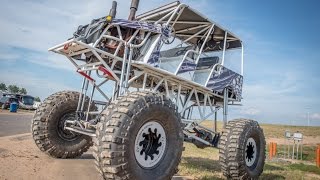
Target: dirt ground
point(21, 159)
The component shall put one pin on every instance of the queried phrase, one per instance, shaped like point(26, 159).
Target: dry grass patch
point(200, 163)
point(204, 163)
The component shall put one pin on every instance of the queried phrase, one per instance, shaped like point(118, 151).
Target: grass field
point(204, 163)
point(277, 131)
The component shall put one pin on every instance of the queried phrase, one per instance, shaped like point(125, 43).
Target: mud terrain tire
point(118, 151)
point(46, 127)
point(242, 150)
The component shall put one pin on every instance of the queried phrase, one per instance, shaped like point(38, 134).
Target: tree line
point(15, 90)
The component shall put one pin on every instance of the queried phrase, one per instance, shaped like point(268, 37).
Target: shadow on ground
point(200, 165)
point(270, 176)
point(86, 156)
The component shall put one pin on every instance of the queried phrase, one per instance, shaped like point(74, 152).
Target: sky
point(282, 52)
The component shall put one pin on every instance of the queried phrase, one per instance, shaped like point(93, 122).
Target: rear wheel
point(139, 137)
point(48, 131)
point(242, 150)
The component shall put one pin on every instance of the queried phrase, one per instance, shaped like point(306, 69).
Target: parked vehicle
point(6, 101)
point(36, 104)
point(25, 101)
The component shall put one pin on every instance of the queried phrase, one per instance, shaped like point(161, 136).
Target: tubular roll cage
point(137, 73)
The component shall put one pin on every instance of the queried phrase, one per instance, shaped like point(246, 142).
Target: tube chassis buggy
point(159, 98)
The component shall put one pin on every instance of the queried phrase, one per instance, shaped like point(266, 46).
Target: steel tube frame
point(225, 107)
point(173, 88)
point(224, 47)
point(242, 59)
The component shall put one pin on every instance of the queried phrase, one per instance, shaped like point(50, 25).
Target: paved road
point(14, 123)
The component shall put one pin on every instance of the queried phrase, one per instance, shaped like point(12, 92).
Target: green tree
point(3, 87)
point(37, 99)
point(13, 89)
point(23, 91)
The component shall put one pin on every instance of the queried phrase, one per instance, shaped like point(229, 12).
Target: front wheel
point(48, 131)
point(139, 137)
point(242, 150)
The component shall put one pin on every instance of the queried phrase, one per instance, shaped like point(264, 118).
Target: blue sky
point(282, 53)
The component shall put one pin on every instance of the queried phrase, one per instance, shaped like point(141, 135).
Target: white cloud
point(277, 97)
point(38, 25)
point(8, 56)
point(250, 111)
point(52, 60)
point(315, 116)
point(36, 85)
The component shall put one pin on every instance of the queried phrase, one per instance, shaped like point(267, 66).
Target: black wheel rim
point(252, 152)
point(150, 145)
point(63, 133)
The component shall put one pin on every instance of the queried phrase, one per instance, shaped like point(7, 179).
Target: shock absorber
point(112, 12)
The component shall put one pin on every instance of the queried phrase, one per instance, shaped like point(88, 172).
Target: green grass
point(305, 168)
point(308, 152)
point(290, 171)
point(200, 163)
point(204, 164)
point(276, 131)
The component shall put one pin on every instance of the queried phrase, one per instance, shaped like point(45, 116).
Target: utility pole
point(308, 115)
point(308, 119)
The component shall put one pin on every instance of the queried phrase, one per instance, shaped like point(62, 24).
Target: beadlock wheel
point(242, 150)
point(139, 137)
point(150, 144)
point(251, 152)
point(47, 126)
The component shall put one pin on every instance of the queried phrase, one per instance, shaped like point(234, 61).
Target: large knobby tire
point(242, 150)
point(139, 137)
point(48, 122)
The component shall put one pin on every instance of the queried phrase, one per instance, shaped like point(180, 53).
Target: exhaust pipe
point(133, 9)
point(113, 10)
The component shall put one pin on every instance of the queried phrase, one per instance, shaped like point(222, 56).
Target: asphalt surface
point(14, 123)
